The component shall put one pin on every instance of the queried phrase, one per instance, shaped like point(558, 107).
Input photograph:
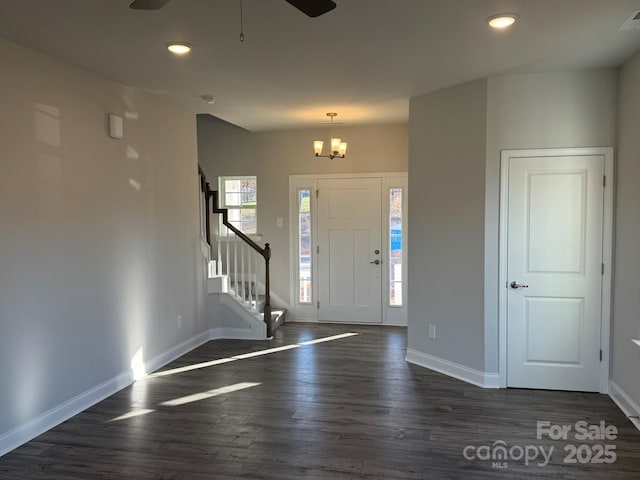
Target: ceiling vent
point(633, 22)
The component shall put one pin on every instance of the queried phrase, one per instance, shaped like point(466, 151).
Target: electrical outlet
point(432, 332)
point(179, 321)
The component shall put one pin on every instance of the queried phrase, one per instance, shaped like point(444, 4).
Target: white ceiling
point(364, 59)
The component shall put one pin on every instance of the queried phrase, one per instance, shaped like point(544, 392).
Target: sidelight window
point(304, 245)
point(395, 247)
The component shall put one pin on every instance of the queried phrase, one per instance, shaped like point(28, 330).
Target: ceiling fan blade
point(148, 4)
point(313, 8)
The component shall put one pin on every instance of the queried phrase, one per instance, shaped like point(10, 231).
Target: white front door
point(554, 263)
point(349, 250)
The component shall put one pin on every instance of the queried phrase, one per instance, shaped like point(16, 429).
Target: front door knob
point(375, 262)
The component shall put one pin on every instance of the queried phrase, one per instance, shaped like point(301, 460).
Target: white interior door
point(349, 250)
point(554, 263)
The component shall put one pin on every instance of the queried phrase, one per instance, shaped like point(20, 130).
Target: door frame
point(391, 315)
point(607, 252)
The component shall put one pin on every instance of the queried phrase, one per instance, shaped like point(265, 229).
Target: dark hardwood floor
point(348, 408)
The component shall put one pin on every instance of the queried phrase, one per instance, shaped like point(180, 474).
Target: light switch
point(279, 222)
point(115, 126)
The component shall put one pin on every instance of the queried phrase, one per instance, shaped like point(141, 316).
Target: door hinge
point(318, 249)
point(317, 193)
point(604, 180)
point(600, 355)
point(318, 305)
point(602, 268)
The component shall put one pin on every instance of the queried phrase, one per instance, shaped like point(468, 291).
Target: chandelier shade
point(338, 147)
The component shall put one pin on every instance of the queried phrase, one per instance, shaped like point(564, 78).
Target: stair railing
point(239, 262)
point(242, 255)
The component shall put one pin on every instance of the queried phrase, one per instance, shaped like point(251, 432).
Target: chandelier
point(338, 147)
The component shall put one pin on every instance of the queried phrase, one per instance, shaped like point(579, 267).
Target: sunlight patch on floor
point(195, 366)
point(223, 390)
point(132, 414)
point(208, 394)
point(264, 352)
point(244, 356)
point(327, 339)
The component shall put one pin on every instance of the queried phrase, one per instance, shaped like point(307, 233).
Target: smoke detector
point(208, 99)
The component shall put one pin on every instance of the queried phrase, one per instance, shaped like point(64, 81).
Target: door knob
point(515, 284)
point(375, 262)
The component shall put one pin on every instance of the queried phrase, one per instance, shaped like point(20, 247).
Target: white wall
point(626, 299)
point(224, 149)
point(574, 109)
point(446, 220)
point(456, 136)
point(99, 238)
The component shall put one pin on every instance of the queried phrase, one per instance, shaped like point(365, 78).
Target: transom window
point(240, 196)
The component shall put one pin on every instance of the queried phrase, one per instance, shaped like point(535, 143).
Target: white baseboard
point(491, 380)
point(235, 334)
point(60, 413)
point(452, 369)
point(293, 318)
point(391, 323)
point(625, 402)
point(177, 351)
point(216, 333)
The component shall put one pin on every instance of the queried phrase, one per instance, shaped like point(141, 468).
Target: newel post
point(207, 195)
point(267, 291)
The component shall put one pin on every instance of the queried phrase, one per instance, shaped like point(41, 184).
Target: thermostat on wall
point(115, 126)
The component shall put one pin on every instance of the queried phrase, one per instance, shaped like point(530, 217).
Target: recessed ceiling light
point(179, 48)
point(502, 20)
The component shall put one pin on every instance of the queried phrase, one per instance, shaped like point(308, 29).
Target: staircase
point(256, 300)
point(240, 273)
point(235, 318)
